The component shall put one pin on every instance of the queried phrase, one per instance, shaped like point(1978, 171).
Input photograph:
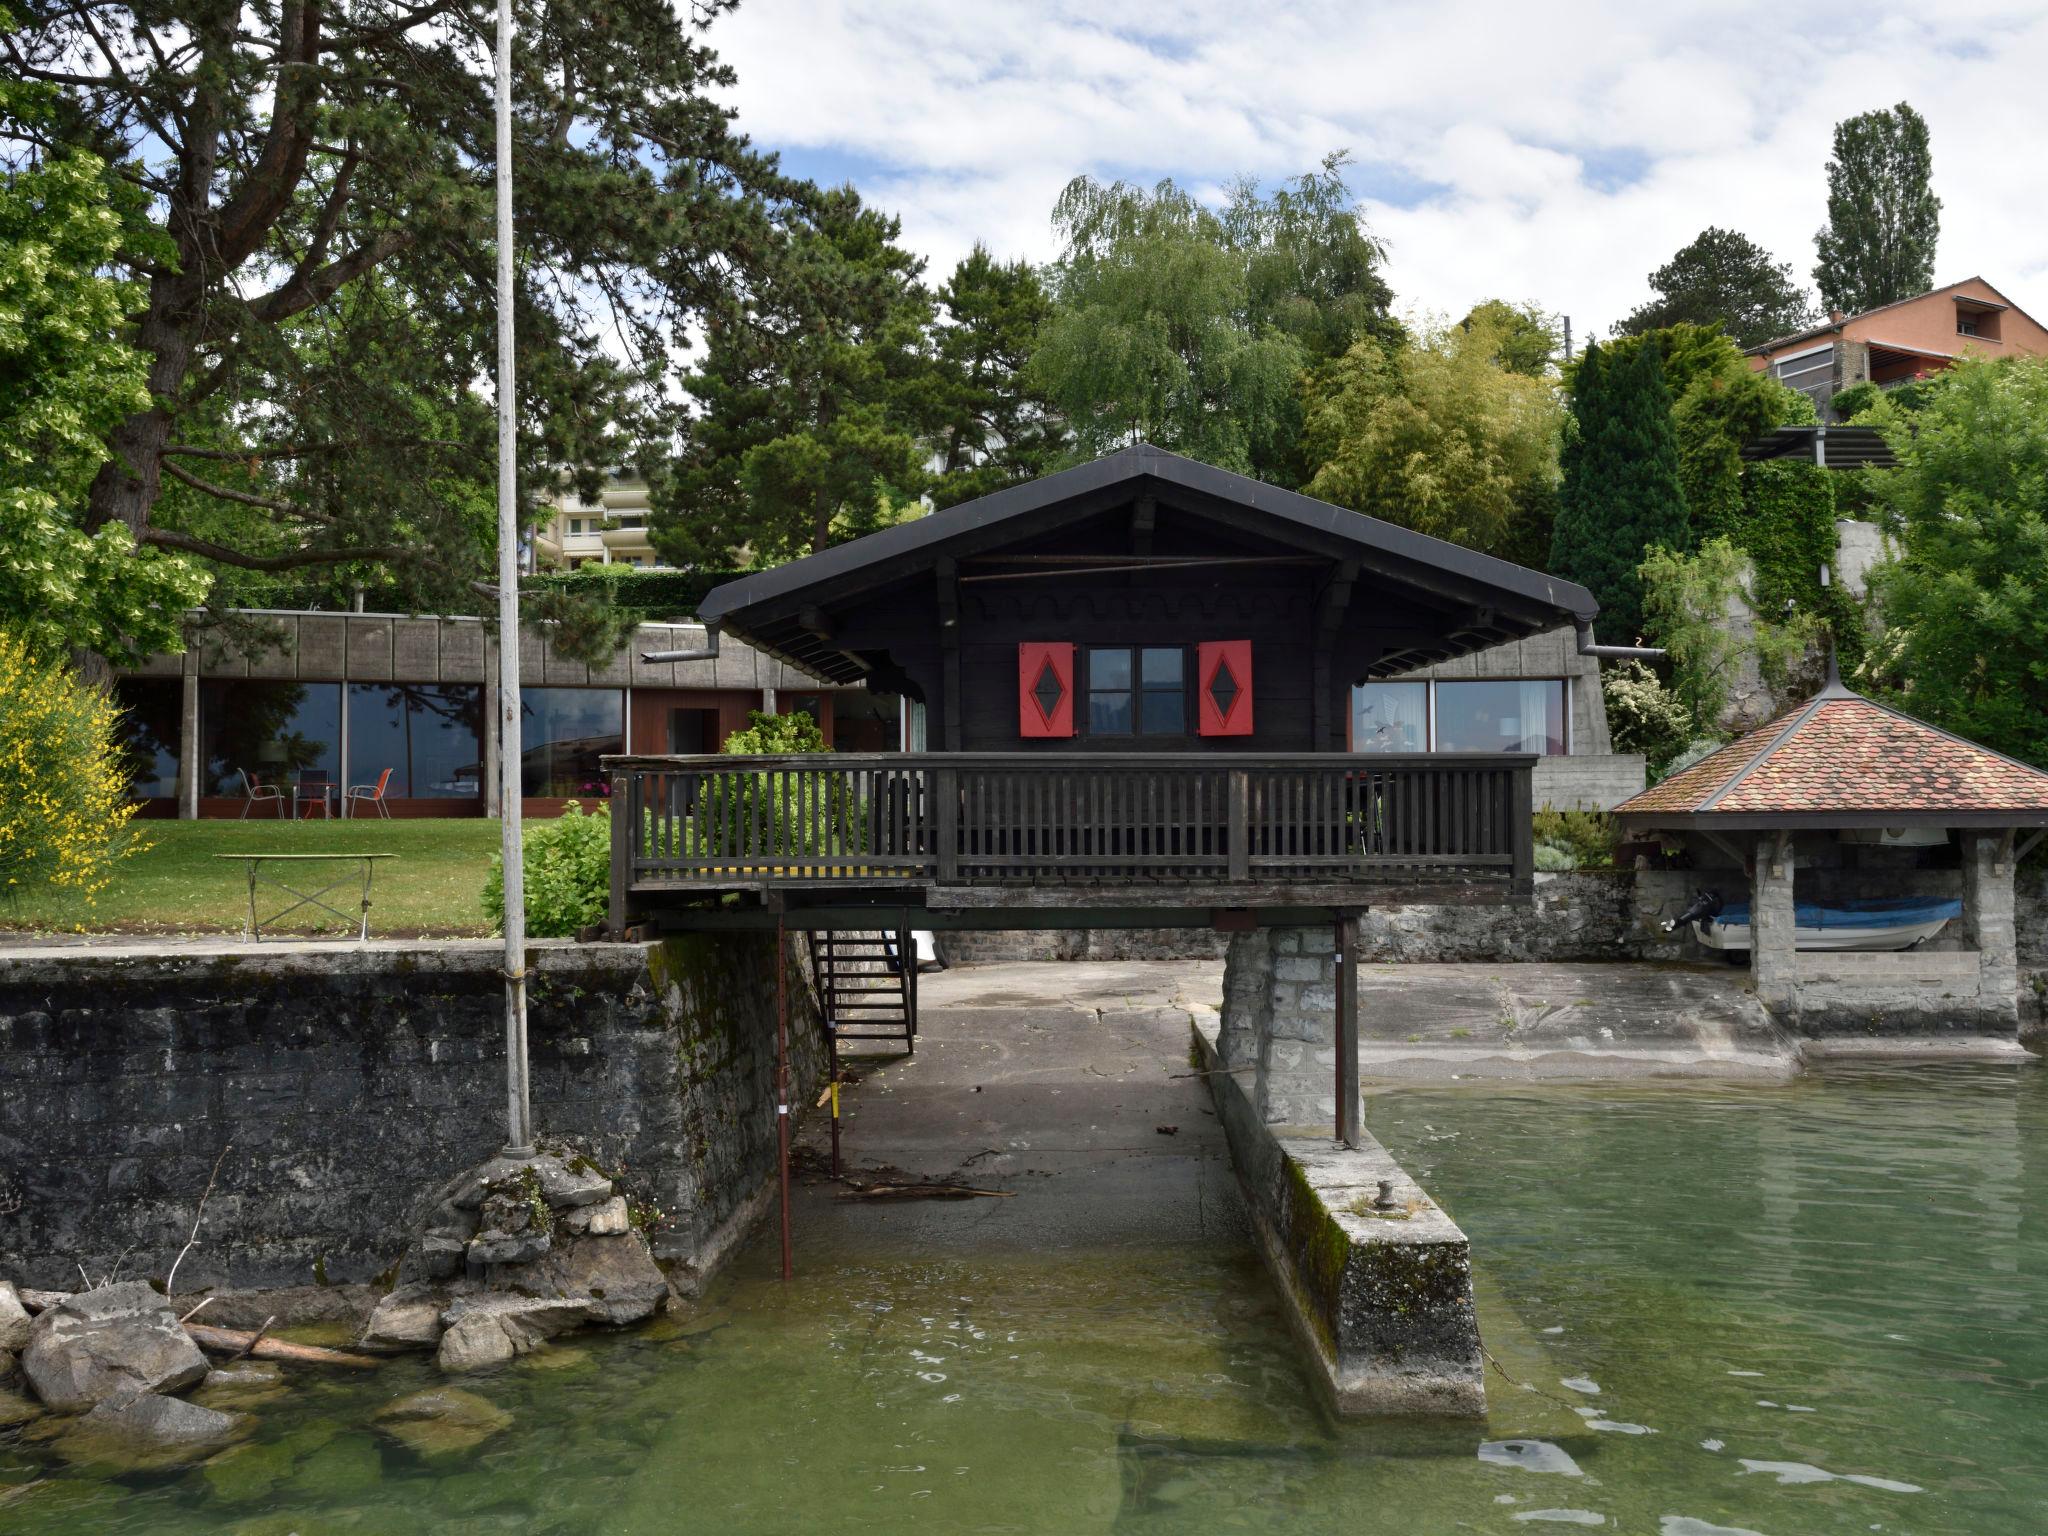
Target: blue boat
point(1882, 923)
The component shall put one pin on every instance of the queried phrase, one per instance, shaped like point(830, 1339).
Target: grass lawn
point(176, 885)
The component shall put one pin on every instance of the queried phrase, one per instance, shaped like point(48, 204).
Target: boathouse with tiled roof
point(1846, 793)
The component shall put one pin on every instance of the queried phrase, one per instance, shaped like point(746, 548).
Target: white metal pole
point(519, 1113)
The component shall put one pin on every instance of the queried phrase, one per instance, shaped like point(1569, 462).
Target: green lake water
point(1789, 1310)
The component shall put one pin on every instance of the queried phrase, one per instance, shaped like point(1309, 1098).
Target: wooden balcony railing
point(1066, 819)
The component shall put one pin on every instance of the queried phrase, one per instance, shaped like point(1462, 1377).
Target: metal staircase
point(867, 986)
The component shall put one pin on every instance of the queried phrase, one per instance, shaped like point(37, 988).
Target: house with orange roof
point(1878, 853)
point(1899, 342)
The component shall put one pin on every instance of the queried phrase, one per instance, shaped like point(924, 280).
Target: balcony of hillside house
point(1072, 829)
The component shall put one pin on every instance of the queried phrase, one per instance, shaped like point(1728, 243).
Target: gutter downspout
point(709, 653)
point(1612, 652)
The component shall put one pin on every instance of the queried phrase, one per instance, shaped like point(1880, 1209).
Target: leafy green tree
point(1724, 278)
point(1526, 339)
point(312, 227)
point(1435, 434)
point(1188, 328)
point(1883, 216)
point(1620, 496)
point(1965, 604)
point(992, 428)
point(1312, 268)
point(815, 403)
point(65, 379)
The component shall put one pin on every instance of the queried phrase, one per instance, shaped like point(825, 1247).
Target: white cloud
point(1549, 153)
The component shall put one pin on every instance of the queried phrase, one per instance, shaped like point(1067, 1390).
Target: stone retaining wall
point(343, 1081)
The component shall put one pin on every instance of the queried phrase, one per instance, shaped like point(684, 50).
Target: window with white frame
point(1463, 715)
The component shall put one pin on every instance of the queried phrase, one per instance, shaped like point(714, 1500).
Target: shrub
point(65, 812)
point(1589, 837)
point(747, 813)
point(1553, 860)
point(1643, 715)
point(795, 732)
point(568, 874)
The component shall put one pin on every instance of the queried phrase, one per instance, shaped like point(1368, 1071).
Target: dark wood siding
point(1274, 606)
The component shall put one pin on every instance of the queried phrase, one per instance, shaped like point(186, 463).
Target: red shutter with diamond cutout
point(1223, 679)
point(1045, 688)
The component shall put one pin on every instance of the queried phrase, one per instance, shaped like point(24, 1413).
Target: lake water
point(1788, 1310)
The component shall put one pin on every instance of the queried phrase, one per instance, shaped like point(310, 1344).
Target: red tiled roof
point(1839, 752)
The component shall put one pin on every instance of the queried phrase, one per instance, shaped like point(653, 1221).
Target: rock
point(241, 1385)
point(474, 1344)
point(107, 1343)
point(408, 1318)
point(492, 1247)
point(606, 1220)
point(567, 1185)
point(616, 1275)
point(441, 1421)
point(163, 1420)
point(7, 1364)
point(16, 1409)
point(436, 1256)
point(508, 1212)
point(489, 1330)
point(146, 1431)
point(14, 1318)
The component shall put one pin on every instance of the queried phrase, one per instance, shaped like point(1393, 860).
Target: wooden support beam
point(948, 573)
point(1325, 716)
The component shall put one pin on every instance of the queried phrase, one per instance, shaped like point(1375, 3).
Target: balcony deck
point(986, 833)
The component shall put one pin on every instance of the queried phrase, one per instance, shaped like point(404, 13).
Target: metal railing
point(1061, 819)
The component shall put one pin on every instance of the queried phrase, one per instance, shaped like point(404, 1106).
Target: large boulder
point(14, 1319)
point(441, 1421)
point(490, 1329)
point(145, 1431)
point(112, 1342)
point(407, 1318)
point(616, 1277)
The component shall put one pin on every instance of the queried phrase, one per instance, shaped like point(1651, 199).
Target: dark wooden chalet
point(1129, 687)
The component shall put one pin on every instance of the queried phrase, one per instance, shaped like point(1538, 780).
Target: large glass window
point(565, 732)
point(278, 733)
point(1137, 691)
point(148, 733)
point(430, 735)
point(1524, 716)
point(1390, 717)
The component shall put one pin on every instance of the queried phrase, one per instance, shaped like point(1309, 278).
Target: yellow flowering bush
point(64, 806)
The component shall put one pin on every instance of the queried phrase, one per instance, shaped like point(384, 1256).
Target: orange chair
point(369, 794)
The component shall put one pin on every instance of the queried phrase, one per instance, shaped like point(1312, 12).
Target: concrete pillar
point(189, 747)
point(1773, 955)
point(1279, 1019)
point(1988, 922)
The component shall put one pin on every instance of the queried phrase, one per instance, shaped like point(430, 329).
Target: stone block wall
point(332, 1085)
point(1278, 1024)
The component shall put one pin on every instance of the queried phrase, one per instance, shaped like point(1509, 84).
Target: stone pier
point(1376, 1277)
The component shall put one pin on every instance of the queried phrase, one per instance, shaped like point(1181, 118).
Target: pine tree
point(1620, 497)
point(992, 430)
point(1883, 216)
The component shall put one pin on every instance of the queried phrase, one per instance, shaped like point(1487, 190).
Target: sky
point(1543, 153)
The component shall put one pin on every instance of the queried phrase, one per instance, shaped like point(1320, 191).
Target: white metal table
point(366, 863)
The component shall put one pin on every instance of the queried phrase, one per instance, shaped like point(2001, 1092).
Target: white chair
point(255, 794)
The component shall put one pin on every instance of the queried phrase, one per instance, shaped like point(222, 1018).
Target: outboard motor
point(1706, 906)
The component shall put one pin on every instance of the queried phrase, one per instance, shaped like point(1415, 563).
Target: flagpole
point(518, 1112)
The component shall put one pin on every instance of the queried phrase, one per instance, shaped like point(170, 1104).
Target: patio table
point(366, 863)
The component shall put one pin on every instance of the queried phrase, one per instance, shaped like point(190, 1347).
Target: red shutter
point(1223, 687)
point(1045, 688)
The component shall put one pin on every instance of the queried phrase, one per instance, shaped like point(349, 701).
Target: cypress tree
point(1620, 497)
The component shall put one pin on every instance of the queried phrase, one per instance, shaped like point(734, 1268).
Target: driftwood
point(40, 1301)
point(923, 1192)
point(235, 1342)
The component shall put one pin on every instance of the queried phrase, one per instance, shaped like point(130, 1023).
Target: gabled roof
point(1841, 760)
point(767, 608)
point(1833, 327)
